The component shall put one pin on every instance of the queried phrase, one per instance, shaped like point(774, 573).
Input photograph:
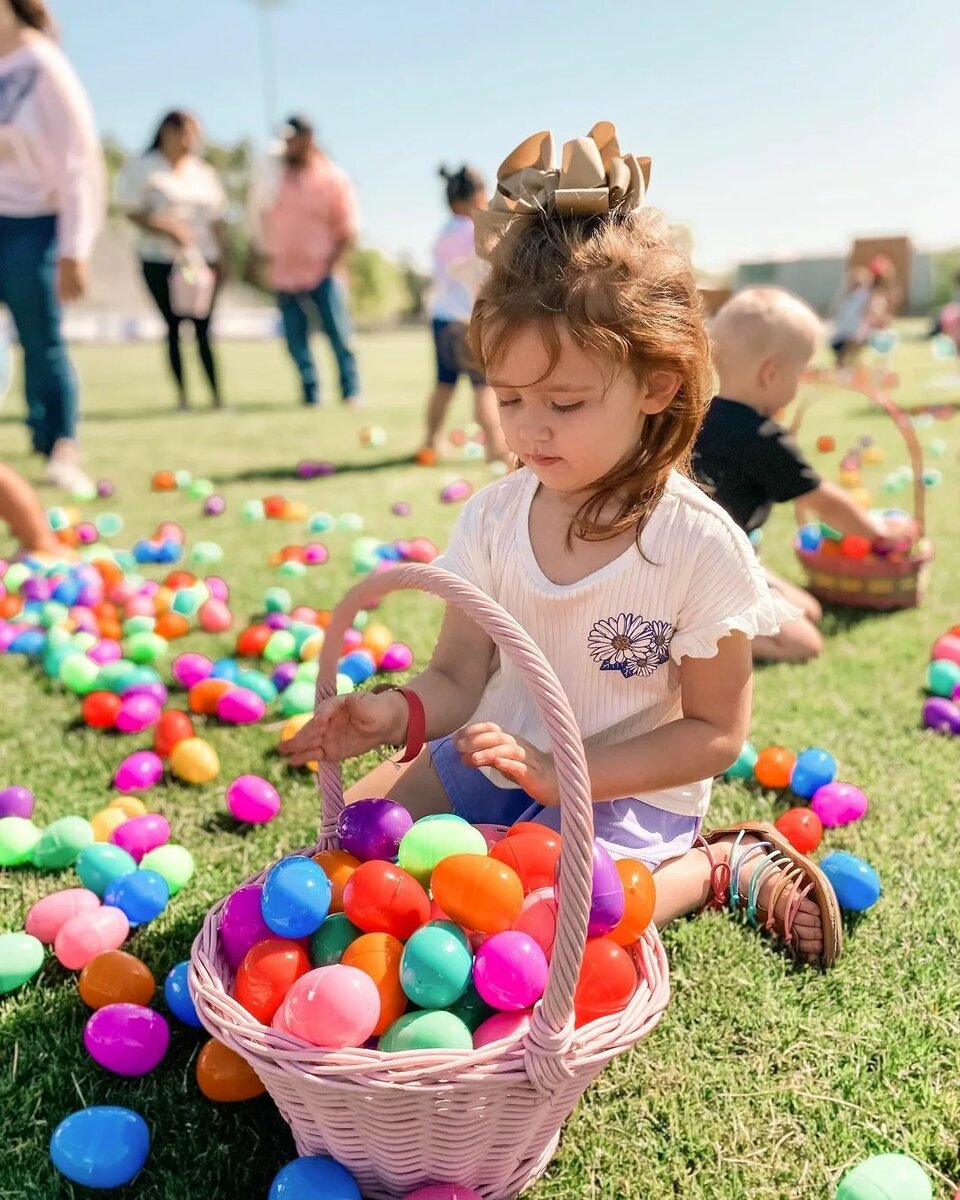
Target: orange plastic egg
point(164, 481)
point(116, 977)
point(10, 605)
point(104, 822)
point(251, 641)
point(173, 727)
point(607, 980)
point(274, 506)
point(204, 696)
point(224, 1076)
point(377, 639)
point(171, 625)
point(533, 857)
point(294, 725)
point(338, 866)
point(826, 444)
point(853, 546)
point(477, 891)
point(295, 510)
point(378, 955)
point(179, 579)
point(266, 973)
point(382, 898)
point(640, 894)
point(774, 766)
point(194, 761)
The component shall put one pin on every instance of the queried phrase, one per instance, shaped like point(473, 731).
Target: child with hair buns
point(641, 592)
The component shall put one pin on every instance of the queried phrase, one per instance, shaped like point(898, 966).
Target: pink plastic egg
point(46, 918)
point(240, 706)
point(492, 833)
point(241, 923)
point(217, 587)
point(838, 804)
point(137, 712)
point(215, 617)
point(127, 1039)
point(140, 835)
point(352, 640)
point(251, 798)
point(510, 971)
point(88, 934)
point(315, 554)
point(538, 918)
point(333, 1006)
point(501, 1025)
point(105, 651)
point(398, 657)
point(454, 492)
point(138, 771)
point(946, 647)
point(190, 668)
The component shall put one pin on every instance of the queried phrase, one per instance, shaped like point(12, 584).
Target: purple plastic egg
point(398, 657)
point(510, 971)
point(373, 828)
point(214, 506)
point(137, 712)
point(252, 798)
point(240, 706)
point(140, 835)
point(188, 669)
point(282, 677)
point(127, 1039)
point(138, 771)
point(105, 488)
point(939, 714)
point(276, 620)
point(305, 469)
point(241, 923)
point(402, 508)
point(105, 651)
point(838, 804)
point(454, 492)
point(607, 901)
point(16, 801)
point(154, 689)
point(218, 588)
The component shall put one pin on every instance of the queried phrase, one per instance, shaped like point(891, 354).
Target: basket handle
point(552, 1023)
point(904, 425)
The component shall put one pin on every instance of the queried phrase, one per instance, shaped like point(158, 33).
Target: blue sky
point(773, 127)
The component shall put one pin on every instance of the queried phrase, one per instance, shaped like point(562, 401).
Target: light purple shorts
point(628, 828)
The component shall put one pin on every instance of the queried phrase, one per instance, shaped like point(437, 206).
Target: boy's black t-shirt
point(748, 462)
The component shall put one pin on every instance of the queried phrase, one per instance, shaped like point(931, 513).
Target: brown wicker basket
point(874, 583)
point(489, 1118)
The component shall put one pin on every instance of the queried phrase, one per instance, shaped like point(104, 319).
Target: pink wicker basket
point(490, 1118)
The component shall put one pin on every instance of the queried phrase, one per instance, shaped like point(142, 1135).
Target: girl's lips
point(542, 460)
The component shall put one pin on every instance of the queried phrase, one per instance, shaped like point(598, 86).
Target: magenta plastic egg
point(127, 1039)
point(140, 835)
point(315, 554)
point(138, 711)
point(241, 923)
point(217, 587)
point(16, 801)
point(215, 617)
point(454, 492)
point(46, 918)
point(839, 804)
point(251, 798)
point(88, 934)
point(607, 901)
point(333, 1006)
point(188, 669)
point(501, 1025)
point(240, 706)
point(138, 772)
point(373, 828)
point(105, 651)
point(510, 971)
point(397, 657)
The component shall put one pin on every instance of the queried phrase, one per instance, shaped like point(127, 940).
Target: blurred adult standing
point(52, 195)
point(303, 219)
point(178, 204)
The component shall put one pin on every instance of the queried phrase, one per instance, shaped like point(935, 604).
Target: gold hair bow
point(594, 177)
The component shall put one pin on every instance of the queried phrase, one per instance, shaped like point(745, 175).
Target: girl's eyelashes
point(566, 408)
point(506, 401)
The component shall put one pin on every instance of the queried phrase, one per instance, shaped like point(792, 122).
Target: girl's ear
point(659, 389)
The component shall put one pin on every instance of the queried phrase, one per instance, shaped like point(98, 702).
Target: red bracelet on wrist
point(416, 720)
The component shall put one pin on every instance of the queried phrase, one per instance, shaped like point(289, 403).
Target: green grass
point(763, 1081)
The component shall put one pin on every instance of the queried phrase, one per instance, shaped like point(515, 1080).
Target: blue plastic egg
point(813, 769)
point(141, 895)
point(856, 883)
point(178, 998)
point(809, 537)
point(296, 897)
point(30, 642)
point(225, 668)
point(101, 1147)
point(358, 666)
point(305, 1178)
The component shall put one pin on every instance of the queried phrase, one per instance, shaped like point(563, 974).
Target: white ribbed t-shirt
point(616, 637)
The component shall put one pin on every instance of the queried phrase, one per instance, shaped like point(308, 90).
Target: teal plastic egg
point(436, 965)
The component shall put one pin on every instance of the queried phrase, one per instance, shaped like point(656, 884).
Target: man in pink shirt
point(304, 222)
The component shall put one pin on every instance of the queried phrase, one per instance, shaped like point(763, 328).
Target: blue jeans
point(28, 286)
point(331, 305)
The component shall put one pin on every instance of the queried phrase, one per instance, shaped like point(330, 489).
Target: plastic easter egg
point(774, 767)
point(946, 648)
point(296, 897)
point(100, 1147)
point(338, 866)
point(45, 918)
point(299, 697)
point(433, 839)
point(173, 862)
point(886, 1177)
point(203, 697)
point(538, 919)
point(140, 835)
point(194, 761)
point(328, 944)
point(943, 675)
point(259, 684)
point(18, 836)
point(189, 669)
point(802, 828)
point(142, 895)
point(533, 856)
point(79, 674)
point(436, 966)
point(21, 957)
point(240, 707)
point(138, 772)
point(607, 980)
point(510, 971)
point(379, 955)
point(502, 1026)
point(130, 806)
point(127, 1039)
point(855, 882)
point(382, 898)
point(371, 829)
point(813, 769)
point(137, 712)
point(314, 1176)
point(839, 804)
point(941, 715)
point(397, 657)
point(426, 1029)
point(176, 992)
point(266, 974)
point(252, 798)
point(743, 767)
point(60, 843)
point(224, 1077)
point(116, 977)
point(640, 899)
point(100, 864)
point(478, 892)
point(333, 1006)
point(172, 728)
point(88, 934)
point(241, 923)
point(16, 802)
point(100, 709)
point(607, 901)
point(104, 822)
point(214, 617)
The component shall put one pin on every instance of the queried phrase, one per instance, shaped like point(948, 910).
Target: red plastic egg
point(608, 979)
point(533, 856)
point(99, 709)
point(173, 727)
point(802, 828)
point(266, 974)
point(382, 898)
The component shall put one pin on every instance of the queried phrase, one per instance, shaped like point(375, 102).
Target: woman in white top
point(51, 209)
point(177, 202)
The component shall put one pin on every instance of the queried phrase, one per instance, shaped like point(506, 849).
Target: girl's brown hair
point(35, 14)
point(621, 290)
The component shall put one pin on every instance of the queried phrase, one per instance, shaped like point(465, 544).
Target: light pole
point(268, 66)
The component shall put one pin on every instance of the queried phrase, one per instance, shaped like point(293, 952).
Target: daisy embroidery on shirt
point(630, 645)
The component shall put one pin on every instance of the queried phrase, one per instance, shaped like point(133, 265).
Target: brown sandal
point(798, 874)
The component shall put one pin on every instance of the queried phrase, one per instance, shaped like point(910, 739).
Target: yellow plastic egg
point(850, 479)
point(872, 455)
point(106, 821)
point(312, 646)
point(294, 725)
point(129, 805)
point(194, 761)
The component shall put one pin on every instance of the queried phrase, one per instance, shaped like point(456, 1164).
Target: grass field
point(763, 1081)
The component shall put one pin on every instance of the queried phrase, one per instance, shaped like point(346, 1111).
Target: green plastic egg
point(345, 685)
point(432, 839)
point(141, 624)
point(429, 1029)
point(331, 939)
point(79, 673)
point(54, 657)
point(61, 843)
point(350, 522)
point(182, 477)
point(57, 518)
point(84, 641)
point(147, 648)
point(361, 620)
point(111, 674)
point(471, 1008)
point(943, 675)
point(259, 684)
point(103, 862)
point(207, 552)
point(291, 569)
point(299, 697)
point(199, 489)
point(277, 599)
point(886, 1177)
point(18, 836)
point(173, 862)
point(252, 510)
point(185, 602)
point(436, 965)
point(281, 647)
point(21, 957)
point(108, 524)
point(53, 613)
point(307, 672)
point(743, 767)
point(320, 522)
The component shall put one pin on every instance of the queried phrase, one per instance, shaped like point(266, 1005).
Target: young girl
point(457, 273)
point(640, 591)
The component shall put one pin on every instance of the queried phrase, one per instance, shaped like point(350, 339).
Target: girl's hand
point(487, 745)
point(345, 726)
point(71, 279)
